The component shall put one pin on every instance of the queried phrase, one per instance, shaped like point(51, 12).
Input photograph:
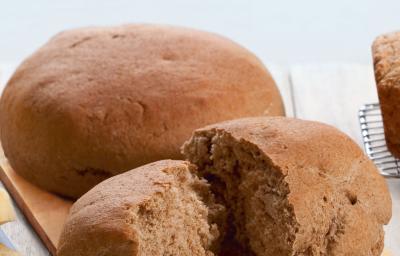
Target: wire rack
point(374, 141)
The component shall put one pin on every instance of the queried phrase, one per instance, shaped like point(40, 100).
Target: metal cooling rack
point(374, 141)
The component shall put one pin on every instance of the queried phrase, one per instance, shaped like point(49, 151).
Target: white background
point(283, 32)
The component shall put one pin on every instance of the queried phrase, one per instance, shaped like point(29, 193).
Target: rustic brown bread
point(95, 102)
point(293, 187)
point(158, 209)
point(386, 53)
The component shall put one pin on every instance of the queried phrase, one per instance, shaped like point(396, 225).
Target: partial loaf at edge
point(386, 54)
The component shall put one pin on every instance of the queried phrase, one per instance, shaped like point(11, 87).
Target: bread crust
point(95, 102)
point(386, 55)
point(100, 219)
point(105, 221)
point(339, 200)
point(338, 197)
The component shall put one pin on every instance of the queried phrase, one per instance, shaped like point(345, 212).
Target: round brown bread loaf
point(158, 209)
point(95, 102)
point(293, 187)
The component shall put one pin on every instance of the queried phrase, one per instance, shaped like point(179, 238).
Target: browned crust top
point(94, 102)
point(386, 56)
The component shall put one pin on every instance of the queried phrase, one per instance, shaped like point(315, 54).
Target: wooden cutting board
point(45, 211)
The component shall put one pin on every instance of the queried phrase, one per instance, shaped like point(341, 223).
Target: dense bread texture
point(293, 187)
point(158, 209)
point(96, 102)
point(386, 54)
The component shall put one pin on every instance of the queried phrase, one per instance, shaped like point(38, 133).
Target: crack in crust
point(94, 172)
point(81, 41)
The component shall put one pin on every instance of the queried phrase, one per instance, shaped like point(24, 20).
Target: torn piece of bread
point(7, 212)
point(293, 187)
point(277, 187)
point(158, 209)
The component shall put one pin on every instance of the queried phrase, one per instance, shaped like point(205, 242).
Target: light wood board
point(45, 211)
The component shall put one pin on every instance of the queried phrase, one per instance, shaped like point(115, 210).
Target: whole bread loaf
point(276, 187)
point(96, 102)
point(386, 54)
